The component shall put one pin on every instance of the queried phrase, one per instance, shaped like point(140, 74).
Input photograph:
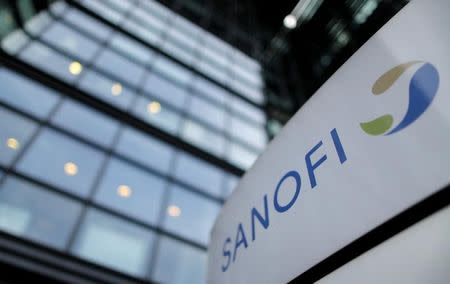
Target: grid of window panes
point(86, 183)
point(81, 50)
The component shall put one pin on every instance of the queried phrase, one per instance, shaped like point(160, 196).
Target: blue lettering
point(338, 145)
point(238, 242)
point(227, 254)
point(311, 167)
point(263, 221)
point(298, 183)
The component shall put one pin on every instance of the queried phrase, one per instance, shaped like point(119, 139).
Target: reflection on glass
point(132, 49)
point(158, 116)
point(15, 131)
point(132, 191)
point(143, 32)
point(114, 243)
point(77, 45)
point(26, 94)
point(241, 156)
point(29, 211)
point(165, 90)
point(211, 90)
point(251, 134)
point(192, 216)
point(247, 110)
point(86, 122)
point(117, 65)
point(145, 150)
point(199, 174)
point(101, 87)
point(207, 112)
point(14, 41)
point(148, 20)
point(38, 22)
point(178, 263)
point(104, 9)
point(87, 24)
point(172, 70)
point(69, 165)
point(203, 137)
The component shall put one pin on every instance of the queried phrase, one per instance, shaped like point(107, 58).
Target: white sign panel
point(373, 141)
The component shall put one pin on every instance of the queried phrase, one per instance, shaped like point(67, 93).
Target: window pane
point(211, 90)
point(102, 8)
point(241, 156)
point(15, 133)
point(250, 134)
point(199, 174)
point(132, 191)
point(54, 63)
point(212, 71)
point(178, 51)
point(178, 263)
point(172, 70)
point(26, 94)
point(131, 48)
point(149, 20)
point(157, 114)
point(115, 243)
point(86, 122)
point(165, 90)
point(230, 184)
point(14, 41)
point(107, 90)
point(34, 213)
point(207, 112)
point(69, 165)
point(203, 137)
point(120, 67)
point(77, 45)
point(145, 33)
point(145, 149)
point(36, 24)
point(190, 215)
point(87, 24)
point(243, 108)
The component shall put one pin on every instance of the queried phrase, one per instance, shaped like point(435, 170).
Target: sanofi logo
point(286, 191)
point(423, 87)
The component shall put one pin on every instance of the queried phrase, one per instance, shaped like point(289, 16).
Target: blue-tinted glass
point(178, 51)
point(36, 24)
point(190, 215)
point(86, 122)
point(240, 156)
point(131, 191)
point(172, 70)
point(148, 20)
point(34, 213)
point(178, 263)
point(165, 90)
point(243, 60)
point(104, 9)
point(181, 37)
point(203, 137)
point(216, 59)
point(26, 94)
point(120, 5)
point(15, 133)
point(112, 92)
point(87, 24)
point(251, 134)
point(77, 45)
point(157, 114)
point(247, 110)
point(155, 8)
point(207, 112)
point(114, 243)
point(69, 165)
point(215, 73)
point(145, 149)
point(132, 48)
point(58, 7)
point(54, 63)
point(251, 77)
point(211, 90)
point(120, 67)
point(199, 174)
point(14, 41)
point(230, 184)
point(143, 32)
point(254, 94)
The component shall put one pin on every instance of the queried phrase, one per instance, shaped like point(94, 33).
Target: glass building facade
point(123, 129)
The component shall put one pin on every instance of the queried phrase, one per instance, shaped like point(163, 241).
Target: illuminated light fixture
point(70, 168)
point(12, 143)
point(116, 89)
point(154, 107)
point(124, 191)
point(75, 68)
point(290, 21)
point(173, 211)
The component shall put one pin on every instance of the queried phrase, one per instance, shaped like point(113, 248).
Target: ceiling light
point(12, 143)
point(70, 168)
point(290, 21)
point(116, 89)
point(75, 68)
point(174, 211)
point(124, 191)
point(154, 107)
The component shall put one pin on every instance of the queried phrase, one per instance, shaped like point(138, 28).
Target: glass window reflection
point(115, 243)
point(203, 137)
point(15, 133)
point(172, 70)
point(190, 215)
point(87, 24)
point(145, 150)
point(69, 165)
point(132, 49)
point(26, 94)
point(178, 263)
point(199, 174)
point(86, 122)
point(165, 90)
point(34, 213)
point(132, 191)
point(207, 112)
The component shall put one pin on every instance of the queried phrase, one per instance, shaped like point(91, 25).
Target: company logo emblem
point(422, 90)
